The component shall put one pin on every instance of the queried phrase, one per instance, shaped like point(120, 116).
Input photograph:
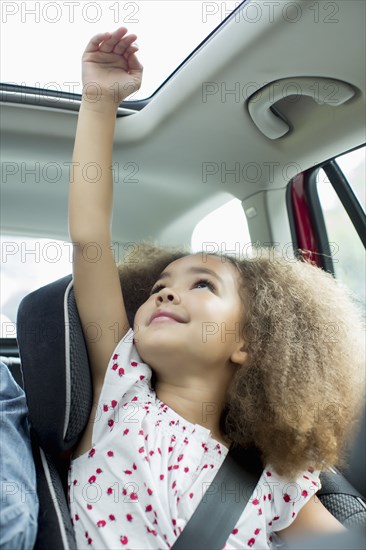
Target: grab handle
point(321, 90)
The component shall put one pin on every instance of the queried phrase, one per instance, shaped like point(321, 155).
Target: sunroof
point(42, 42)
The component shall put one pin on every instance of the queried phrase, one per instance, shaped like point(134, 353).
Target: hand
point(110, 68)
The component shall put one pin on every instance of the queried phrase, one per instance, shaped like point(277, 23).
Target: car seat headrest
point(55, 365)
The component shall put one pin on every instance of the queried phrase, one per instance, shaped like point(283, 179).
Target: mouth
point(165, 316)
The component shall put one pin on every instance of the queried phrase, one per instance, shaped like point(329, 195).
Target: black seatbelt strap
point(223, 503)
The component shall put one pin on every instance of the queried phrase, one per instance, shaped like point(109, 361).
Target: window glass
point(27, 264)
point(348, 253)
point(166, 31)
point(353, 167)
point(225, 230)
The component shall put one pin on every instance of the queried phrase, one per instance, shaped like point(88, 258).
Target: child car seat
point(58, 387)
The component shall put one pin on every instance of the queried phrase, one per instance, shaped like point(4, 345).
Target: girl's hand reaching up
point(110, 68)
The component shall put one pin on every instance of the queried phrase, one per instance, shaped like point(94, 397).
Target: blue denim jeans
point(19, 501)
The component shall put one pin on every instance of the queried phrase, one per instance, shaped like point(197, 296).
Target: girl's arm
point(111, 72)
point(313, 519)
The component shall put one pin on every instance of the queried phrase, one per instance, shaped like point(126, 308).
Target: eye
point(205, 283)
point(156, 288)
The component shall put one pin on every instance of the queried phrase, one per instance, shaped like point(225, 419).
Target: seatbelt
point(223, 503)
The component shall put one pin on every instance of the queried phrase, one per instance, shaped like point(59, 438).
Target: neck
point(197, 403)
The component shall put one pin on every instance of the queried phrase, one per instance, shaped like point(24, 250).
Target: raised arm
point(111, 71)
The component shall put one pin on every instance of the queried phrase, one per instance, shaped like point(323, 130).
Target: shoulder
point(126, 371)
point(284, 498)
point(301, 510)
point(125, 354)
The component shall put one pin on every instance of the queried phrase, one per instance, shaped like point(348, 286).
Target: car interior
point(256, 138)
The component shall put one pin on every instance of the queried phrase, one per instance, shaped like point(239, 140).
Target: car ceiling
point(169, 140)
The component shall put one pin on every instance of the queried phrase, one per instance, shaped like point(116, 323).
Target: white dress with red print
point(148, 469)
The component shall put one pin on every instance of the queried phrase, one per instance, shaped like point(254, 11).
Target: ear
point(239, 355)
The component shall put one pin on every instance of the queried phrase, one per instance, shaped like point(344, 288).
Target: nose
point(167, 295)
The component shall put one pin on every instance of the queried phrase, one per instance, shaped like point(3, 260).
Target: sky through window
point(42, 41)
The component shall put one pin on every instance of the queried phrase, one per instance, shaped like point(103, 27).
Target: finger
point(109, 44)
point(132, 49)
point(133, 63)
point(94, 43)
point(124, 44)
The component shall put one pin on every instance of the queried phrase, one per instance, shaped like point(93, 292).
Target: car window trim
point(347, 197)
point(317, 235)
point(318, 221)
point(56, 99)
point(307, 226)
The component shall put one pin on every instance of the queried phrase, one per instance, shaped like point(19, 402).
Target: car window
point(58, 69)
point(347, 250)
point(224, 230)
point(27, 264)
point(353, 167)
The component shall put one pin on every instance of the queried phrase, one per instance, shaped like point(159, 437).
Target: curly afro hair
point(298, 395)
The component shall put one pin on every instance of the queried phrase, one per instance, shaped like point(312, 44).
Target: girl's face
point(193, 316)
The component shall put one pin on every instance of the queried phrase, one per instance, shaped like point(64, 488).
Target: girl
point(234, 355)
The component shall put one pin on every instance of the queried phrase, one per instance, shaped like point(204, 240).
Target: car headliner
point(170, 141)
